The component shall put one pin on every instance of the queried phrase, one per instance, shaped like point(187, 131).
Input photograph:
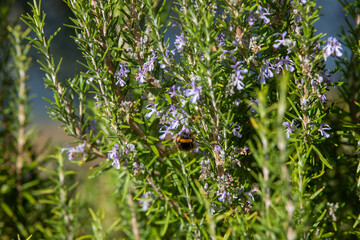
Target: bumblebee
point(185, 140)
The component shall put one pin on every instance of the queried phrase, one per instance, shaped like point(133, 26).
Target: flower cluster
point(72, 152)
point(124, 152)
point(332, 48)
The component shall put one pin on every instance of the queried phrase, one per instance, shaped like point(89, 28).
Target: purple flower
point(222, 195)
point(253, 101)
point(180, 42)
point(217, 148)
point(172, 110)
point(289, 128)
point(251, 19)
point(129, 148)
point(239, 75)
point(112, 154)
point(265, 72)
point(323, 98)
point(280, 42)
point(90, 80)
point(221, 39)
point(175, 123)
point(332, 48)
point(70, 151)
point(194, 92)
point(235, 131)
point(149, 66)
point(263, 12)
point(288, 63)
point(141, 76)
point(164, 130)
point(322, 129)
point(73, 151)
point(171, 91)
point(237, 102)
point(145, 201)
point(250, 194)
point(121, 74)
point(120, 82)
point(152, 108)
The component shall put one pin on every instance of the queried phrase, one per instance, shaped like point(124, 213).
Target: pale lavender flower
point(323, 98)
point(237, 102)
point(112, 154)
point(149, 66)
point(141, 76)
point(123, 70)
point(172, 110)
point(217, 148)
point(129, 148)
point(250, 194)
point(288, 63)
point(251, 19)
point(120, 82)
point(280, 42)
point(265, 72)
point(116, 163)
point(323, 128)
point(90, 80)
point(253, 102)
point(121, 74)
point(194, 92)
point(70, 151)
point(145, 201)
point(180, 42)
point(164, 130)
point(222, 195)
point(332, 48)
point(263, 12)
point(304, 102)
point(239, 75)
point(175, 123)
point(221, 39)
point(152, 108)
point(73, 151)
point(171, 91)
point(290, 127)
point(235, 130)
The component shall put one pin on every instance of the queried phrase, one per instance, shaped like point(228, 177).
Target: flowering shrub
point(243, 83)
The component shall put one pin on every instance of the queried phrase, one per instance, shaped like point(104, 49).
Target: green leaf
point(168, 98)
point(317, 193)
point(155, 150)
point(137, 120)
point(321, 157)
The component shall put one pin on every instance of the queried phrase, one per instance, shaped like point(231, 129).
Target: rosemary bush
point(247, 79)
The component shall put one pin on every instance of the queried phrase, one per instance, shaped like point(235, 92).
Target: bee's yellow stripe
point(185, 140)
